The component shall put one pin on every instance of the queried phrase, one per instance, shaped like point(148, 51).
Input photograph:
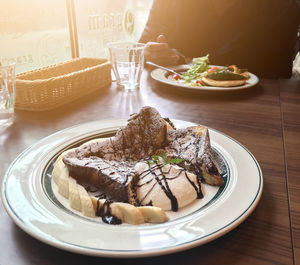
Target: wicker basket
point(50, 87)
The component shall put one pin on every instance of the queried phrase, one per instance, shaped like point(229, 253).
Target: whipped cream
point(168, 187)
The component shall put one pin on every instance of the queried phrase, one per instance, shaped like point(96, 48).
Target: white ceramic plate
point(164, 77)
point(29, 199)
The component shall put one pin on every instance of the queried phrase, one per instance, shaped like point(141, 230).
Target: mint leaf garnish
point(164, 160)
point(175, 160)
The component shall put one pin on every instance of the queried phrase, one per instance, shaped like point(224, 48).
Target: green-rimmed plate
point(30, 199)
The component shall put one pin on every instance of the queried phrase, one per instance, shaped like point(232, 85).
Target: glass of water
point(128, 63)
point(7, 95)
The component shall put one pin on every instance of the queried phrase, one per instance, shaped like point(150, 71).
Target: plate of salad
point(200, 75)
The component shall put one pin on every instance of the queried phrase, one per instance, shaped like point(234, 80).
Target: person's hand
point(159, 52)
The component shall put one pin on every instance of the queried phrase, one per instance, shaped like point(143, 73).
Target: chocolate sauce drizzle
point(197, 188)
point(165, 187)
point(191, 162)
point(104, 211)
point(162, 181)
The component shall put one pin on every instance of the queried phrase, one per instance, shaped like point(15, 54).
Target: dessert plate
point(29, 198)
point(163, 76)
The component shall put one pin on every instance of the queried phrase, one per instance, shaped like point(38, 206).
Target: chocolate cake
point(109, 164)
point(140, 138)
point(192, 144)
point(115, 178)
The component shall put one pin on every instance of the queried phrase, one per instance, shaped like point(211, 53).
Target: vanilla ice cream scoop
point(169, 186)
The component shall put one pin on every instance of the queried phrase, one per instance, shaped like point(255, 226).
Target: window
point(37, 33)
point(112, 20)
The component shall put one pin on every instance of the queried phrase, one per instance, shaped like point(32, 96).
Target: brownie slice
point(108, 164)
point(192, 144)
point(116, 179)
point(144, 133)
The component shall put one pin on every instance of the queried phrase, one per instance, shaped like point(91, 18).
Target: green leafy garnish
point(204, 60)
point(164, 160)
point(154, 160)
point(200, 65)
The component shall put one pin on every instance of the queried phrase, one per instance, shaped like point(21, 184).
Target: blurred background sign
point(37, 33)
point(111, 20)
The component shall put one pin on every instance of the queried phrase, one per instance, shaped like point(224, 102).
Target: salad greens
point(200, 65)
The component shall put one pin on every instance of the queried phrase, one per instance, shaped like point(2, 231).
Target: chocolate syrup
point(168, 192)
point(104, 211)
point(162, 180)
point(163, 184)
point(197, 188)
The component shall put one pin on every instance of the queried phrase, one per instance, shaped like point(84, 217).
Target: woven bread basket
point(50, 87)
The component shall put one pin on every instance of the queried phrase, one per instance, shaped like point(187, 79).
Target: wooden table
point(265, 119)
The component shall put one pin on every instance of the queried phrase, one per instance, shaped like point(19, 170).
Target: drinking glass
point(128, 63)
point(7, 95)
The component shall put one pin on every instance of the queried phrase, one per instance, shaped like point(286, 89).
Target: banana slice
point(63, 185)
point(153, 214)
point(114, 210)
point(59, 168)
point(130, 213)
point(56, 172)
point(133, 215)
point(74, 197)
point(95, 203)
point(87, 207)
point(60, 175)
